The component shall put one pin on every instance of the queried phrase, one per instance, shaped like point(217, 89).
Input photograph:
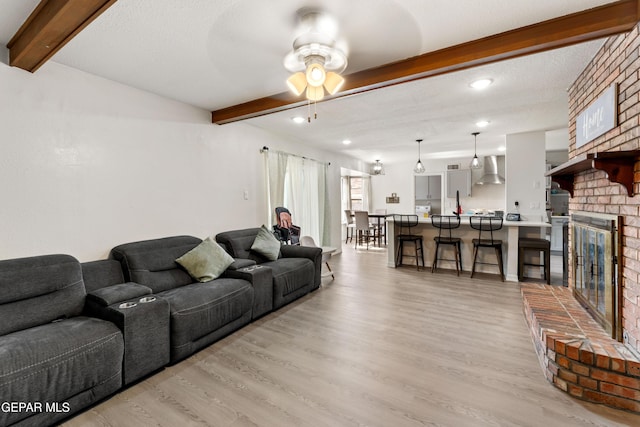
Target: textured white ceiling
point(217, 53)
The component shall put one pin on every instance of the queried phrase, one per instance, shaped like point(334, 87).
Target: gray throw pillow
point(206, 261)
point(266, 244)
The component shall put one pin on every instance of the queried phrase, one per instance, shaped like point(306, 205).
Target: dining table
point(380, 224)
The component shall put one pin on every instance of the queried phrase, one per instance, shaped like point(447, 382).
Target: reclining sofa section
point(200, 313)
point(52, 356)
point(295, 273)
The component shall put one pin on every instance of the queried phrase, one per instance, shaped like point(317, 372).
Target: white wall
point(525, 168)
point(87, 163)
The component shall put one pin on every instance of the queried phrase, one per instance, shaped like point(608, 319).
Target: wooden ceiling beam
point(607, 20)
point(51, 25)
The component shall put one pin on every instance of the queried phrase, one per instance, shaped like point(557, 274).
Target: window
point(355, 193)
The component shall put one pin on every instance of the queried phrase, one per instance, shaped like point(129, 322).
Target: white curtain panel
point(313, 202)
point(299, 185)
point(366, 193)
point(294, 187)
point(345, 198)
point(325, 209)
point(276, 167)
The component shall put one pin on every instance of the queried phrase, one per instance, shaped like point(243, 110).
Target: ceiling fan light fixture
point(297, 83)
point(316, 74)
point(315, 93)
point(333, 82)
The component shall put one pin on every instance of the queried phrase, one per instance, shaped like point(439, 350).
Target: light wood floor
point(375, 347)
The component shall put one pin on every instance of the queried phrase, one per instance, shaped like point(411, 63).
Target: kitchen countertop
point(509, 234)
point(523, 223)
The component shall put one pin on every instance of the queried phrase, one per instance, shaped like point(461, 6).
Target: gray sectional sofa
point(73, 334)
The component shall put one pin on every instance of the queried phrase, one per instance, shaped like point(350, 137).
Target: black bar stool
point(447, 223)
point(404, 224)
point(536, 245)
point(487, 225)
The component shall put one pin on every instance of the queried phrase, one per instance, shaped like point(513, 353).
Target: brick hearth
point(576, 354)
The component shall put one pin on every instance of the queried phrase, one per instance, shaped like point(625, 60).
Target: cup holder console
point(127, 305)
point(147, 299)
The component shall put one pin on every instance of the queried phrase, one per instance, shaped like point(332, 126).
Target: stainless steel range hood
point(491, 175)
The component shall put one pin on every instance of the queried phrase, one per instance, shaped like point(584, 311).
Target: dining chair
point(364, 230)
point(381, 226)
point(351, 226)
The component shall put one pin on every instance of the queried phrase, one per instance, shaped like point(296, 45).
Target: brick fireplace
point(576, 353)
point(616, 62)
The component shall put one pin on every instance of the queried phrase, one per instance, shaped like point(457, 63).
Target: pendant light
point(419, 166)
point(475, 162)
point(378, 168)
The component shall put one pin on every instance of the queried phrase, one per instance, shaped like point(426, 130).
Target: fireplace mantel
point(617, 164)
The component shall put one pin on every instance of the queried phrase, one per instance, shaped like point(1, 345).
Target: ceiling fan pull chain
point(315, 111)
point(308, 110)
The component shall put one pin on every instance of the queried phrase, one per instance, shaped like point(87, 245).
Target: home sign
point(600, 117)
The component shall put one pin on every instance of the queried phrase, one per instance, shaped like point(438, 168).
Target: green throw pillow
point(266, 244)
point(206, 261)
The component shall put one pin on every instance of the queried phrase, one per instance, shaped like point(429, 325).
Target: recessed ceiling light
point(482, 123)
point(298, 119)
point(481, 83)
point(346, 141)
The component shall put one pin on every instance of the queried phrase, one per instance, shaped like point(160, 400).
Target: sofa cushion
point(206, 261)
point(266, 244)
point(238, 243)
point(152, 262)
point(59, 360)
point(37, 290)
point(200, 308)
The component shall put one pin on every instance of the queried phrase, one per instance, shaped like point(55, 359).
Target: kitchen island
point(510, 233)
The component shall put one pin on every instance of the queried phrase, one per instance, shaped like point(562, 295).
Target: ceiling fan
point(317, 58)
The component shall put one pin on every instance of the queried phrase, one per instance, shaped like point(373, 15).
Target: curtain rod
point(265, 148)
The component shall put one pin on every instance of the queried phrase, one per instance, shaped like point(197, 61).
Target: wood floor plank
point(377, 346)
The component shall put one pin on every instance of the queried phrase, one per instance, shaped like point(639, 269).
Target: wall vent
point(456, 166)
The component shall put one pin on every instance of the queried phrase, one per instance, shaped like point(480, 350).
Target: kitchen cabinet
point(429, 193)
point(428, 187)
point(459, 180)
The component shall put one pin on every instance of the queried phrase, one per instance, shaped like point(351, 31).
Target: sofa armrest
point(117, 293)
point(143, 319)
point(261, 278)
point(309, 252)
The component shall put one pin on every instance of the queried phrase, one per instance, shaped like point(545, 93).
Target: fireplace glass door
point(594, 251)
